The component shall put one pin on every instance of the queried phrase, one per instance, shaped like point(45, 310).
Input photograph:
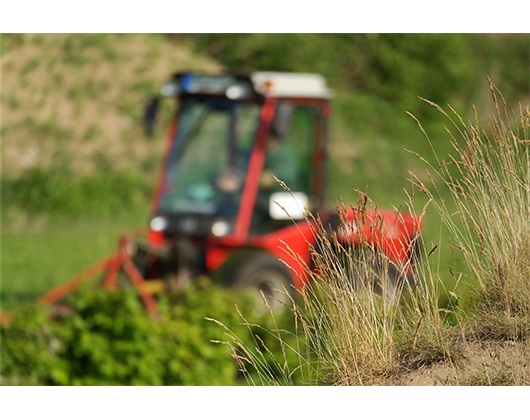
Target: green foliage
point(396, 68)
point(109, 339)
point(104, 193)
point(28, 350)
point(265, 333)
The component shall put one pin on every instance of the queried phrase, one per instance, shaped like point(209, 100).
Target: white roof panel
point(300, 85)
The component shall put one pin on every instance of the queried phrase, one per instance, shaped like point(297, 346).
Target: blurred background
point(78, 170)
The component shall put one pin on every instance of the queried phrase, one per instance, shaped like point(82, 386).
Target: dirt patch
point(484, 363)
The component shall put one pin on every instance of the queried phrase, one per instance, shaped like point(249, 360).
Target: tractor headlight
point(221, 228)
point(236, 92)
point(171, 88)
point(159, 224)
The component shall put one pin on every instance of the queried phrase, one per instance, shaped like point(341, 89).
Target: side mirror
point(282, 120)
point(286, 205)
point(150, 113)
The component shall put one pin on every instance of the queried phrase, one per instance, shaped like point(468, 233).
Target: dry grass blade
point(492, 197)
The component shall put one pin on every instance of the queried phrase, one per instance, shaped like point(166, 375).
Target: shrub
point(28, 351)
point(109, 339)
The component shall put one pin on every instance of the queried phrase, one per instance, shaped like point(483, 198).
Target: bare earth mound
point(484, 363)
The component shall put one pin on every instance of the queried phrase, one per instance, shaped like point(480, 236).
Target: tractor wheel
point(263, 273)
point(367, 267)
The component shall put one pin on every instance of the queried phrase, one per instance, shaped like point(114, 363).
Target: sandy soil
point(484, 363)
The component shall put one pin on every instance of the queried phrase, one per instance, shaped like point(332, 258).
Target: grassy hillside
point(73, 102)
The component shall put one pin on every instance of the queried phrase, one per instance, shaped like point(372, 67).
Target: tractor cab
point(230, 138)
point(245, 158)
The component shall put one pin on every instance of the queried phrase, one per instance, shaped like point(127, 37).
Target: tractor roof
point(263, 83)
point(277, 84)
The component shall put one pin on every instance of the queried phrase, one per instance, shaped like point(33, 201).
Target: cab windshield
point(208, 162)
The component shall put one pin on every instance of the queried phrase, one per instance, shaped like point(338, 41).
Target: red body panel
point(391, 232)
point(290, 244)
point(257, 158)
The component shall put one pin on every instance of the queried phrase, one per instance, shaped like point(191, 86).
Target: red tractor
point(218, 208)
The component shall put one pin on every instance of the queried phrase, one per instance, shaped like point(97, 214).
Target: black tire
point(262, 272)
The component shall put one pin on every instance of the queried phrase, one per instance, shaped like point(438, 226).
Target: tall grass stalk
point(366, 321)
point(258, 363)
point(349, 323)
point(489, 180)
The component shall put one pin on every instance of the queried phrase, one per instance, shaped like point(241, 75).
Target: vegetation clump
point(107, 338)
point(489, 181)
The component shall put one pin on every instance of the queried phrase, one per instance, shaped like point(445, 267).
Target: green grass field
point(34, 262)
